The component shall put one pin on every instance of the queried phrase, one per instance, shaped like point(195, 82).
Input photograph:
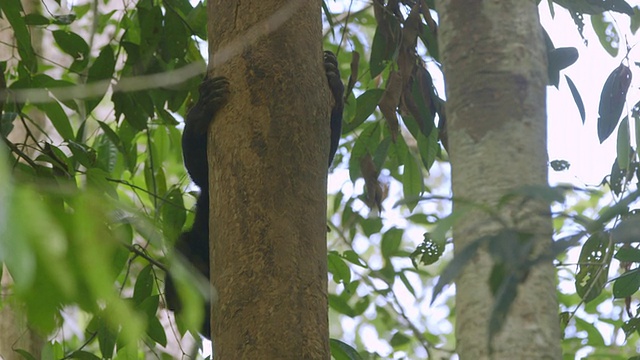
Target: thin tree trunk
point(14, 331)
point(268, 153)
point(494, 63)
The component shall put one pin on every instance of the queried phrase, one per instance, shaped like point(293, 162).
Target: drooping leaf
point(576, 98)
point(365, 106)
point(612, 100)
point(623, 145)
point(389, 102)
point(412, 180)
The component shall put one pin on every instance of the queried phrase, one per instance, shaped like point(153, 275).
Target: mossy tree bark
point(268, 151)
point(494, 63)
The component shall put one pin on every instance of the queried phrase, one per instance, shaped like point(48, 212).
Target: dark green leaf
point(58, 118)
point(412, 181)
point(72, 44)
point(628, 254)
point(340, 305)
point(156, 331)
point(627, 284)
point(25, 354)
point(560, 165)
point(399, 339)
point(338, 268)
point(380, 53)
point(34, 19)
point(353, 258)
point(612, 100)
point(144, 285)
point(342, 351)
point(428, 252)
point(365, 106)
point(576, 98)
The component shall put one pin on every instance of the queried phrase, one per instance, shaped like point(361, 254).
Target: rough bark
point(268, 153)
point(494, 64)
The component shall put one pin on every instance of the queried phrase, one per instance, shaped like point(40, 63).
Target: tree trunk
point(14, 331)
point(268, 153)
point(494, 63)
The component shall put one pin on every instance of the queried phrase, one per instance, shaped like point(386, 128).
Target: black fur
point(194, 244)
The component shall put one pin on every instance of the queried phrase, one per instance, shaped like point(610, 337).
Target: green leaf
point(428, 252)
point(635, 20)
point(593, 270)
point(412, 182)
point(353, 258)
point(428, 148)
point(627, 284)
point(74, 45)
point(101, 69)
point(342, 351)
point(399, 339)
point(607, 33)
point(380, 52)
point(593, 334)
point(12, 10)
point(173, 213)
point(34, 19)
point(628, 254)
point(391, 241)
point(365, 106)
point(25, 354)
point(58, 118)
point(156, 331)
point(338, 268)
point(340, 305)
point(144, 285)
